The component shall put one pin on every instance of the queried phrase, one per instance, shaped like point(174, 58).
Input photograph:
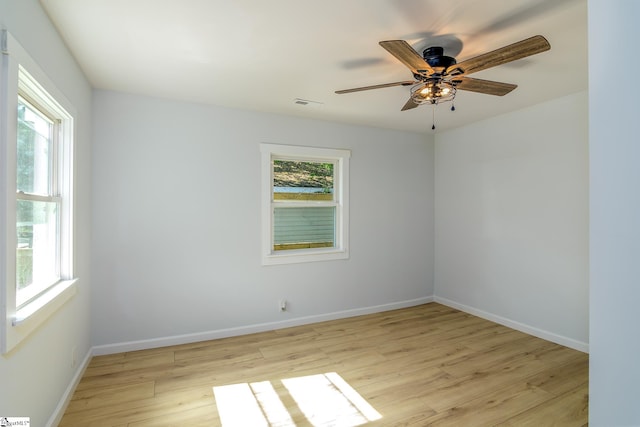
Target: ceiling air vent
point(306, 102)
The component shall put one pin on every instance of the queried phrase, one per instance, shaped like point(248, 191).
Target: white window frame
point(340, 159)
point(20, 75)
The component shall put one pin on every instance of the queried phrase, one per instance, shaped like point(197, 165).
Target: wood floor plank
point(423, 365)
point(569, 409)
point(490, 408)
point(217, 352)
point(204, 416)
point(561, 378)
point(165, 358)
point(141, 409)
point(110, 396)
point(498, 356)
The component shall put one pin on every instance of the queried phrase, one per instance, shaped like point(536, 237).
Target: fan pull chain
point(453, 107)
point(433, 116)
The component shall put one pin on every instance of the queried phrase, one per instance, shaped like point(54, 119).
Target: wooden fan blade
point(521, 49)
point(358, 89)
point(483, 86)
point(409, 105)
point(409, 57)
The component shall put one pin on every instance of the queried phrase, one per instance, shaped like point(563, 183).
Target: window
point(38, 221)
point(305, 204)
point(38, 202)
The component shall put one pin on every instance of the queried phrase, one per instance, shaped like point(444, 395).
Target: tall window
point(43, 191)
point(38, 203)
point(305, 204)
point(36, 155)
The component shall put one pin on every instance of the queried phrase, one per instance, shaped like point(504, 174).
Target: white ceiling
point(262, 55)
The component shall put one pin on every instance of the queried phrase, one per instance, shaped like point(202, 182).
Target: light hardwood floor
point(424, 365)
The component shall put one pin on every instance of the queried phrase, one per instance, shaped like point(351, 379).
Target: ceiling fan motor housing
point(434, 56)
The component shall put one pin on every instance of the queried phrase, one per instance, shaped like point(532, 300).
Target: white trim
point(527, 329)
point(304, 255)
point(340, 158)
point(16, 325)
point(32, 314)
point(251, 329)
point(5, 174)
point(58, 413)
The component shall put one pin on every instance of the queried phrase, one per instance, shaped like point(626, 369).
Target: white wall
point(36, 375)
point(512, 219)
point(176, 209)
point(615, 216)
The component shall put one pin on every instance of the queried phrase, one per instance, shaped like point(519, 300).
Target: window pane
point(35, 150)
point(304, 227)
point(296, 180)
point(37, 248)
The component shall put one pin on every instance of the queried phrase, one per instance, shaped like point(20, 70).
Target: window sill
point(37, 311)
point(304, 255)
point(28, 318)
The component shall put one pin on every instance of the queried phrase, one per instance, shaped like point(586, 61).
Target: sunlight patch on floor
point(324, 399)
point(327, 399)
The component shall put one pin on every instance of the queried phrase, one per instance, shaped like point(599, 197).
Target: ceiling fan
point(437, 77)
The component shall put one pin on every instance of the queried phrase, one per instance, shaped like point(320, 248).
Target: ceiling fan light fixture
point(437, 76)
point(433, 92)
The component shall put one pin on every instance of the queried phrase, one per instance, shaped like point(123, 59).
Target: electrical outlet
point(283, 304)
point(74, 356)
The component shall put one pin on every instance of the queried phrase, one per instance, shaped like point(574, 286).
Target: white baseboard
point(545, 335)
point(56, 417)
point(250, 329)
